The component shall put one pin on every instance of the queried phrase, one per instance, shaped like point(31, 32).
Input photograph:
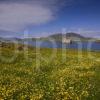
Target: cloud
point(18, 14)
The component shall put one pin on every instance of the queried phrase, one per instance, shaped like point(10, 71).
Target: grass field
point(56, 79)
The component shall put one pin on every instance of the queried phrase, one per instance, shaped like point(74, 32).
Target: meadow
point(64, 77)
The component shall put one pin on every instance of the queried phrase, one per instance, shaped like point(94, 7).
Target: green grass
point(56, 79)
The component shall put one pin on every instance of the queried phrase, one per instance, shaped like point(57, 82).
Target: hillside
point(58, 37)
point(72, 36)
point(67, 35)
point(5, 34)
point(55, 79)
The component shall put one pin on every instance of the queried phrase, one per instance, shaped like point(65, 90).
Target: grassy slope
point(56, 80)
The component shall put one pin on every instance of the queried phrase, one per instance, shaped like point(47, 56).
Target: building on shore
point(66, 40)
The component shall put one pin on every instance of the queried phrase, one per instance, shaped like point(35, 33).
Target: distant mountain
point(10, 34)
point(72, 36)
point(59, 37)
point(6, 34)
point(10, 40)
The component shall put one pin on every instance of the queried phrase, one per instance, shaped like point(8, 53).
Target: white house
point(66, 40)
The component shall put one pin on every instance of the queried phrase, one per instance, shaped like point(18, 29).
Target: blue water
point(74, 45)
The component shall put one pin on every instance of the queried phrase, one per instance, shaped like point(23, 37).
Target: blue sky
point(45, 17)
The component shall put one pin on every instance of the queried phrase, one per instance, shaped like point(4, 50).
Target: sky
point(39, 18)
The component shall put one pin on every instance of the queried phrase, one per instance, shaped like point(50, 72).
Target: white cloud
point(14, 16)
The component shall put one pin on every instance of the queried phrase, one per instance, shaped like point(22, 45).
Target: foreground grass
point(73, 78)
